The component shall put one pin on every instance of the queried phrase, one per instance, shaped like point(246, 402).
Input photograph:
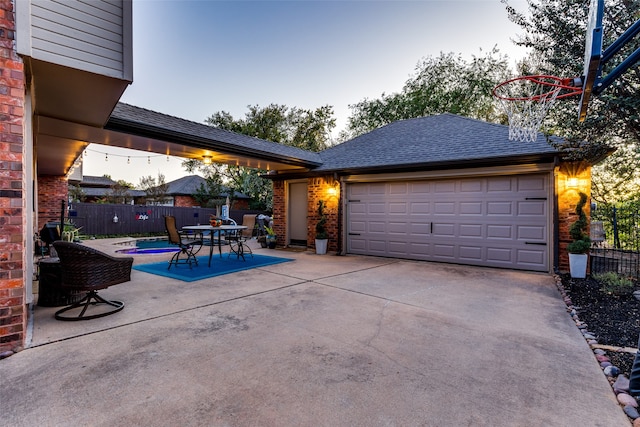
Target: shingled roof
point(143, 122)
point(189, 185)
point(442, 140)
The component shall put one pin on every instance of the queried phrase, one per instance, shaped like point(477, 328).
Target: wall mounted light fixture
point(206, 159)
point(572, 182)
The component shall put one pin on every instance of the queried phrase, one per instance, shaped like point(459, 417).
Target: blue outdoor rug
point(219, 266)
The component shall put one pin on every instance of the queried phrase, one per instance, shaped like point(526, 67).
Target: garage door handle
point(536, 243)
point(354, 234)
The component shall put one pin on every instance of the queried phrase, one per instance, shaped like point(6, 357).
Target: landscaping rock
point(611, 371)
point(631, 412)
point(627, 400)
point(621, 385)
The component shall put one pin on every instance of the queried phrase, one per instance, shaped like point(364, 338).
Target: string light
point(127, 156)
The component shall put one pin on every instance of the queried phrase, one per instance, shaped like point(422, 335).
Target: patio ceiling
point(60, 143)
point(73, 109)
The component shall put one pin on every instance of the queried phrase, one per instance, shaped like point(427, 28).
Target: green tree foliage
point(296, 127)
point(76, 194)
point(155, 191)
point(555, 31)
point(208, 194)
point(617, 179)
point(119, 192)
point(446, 83)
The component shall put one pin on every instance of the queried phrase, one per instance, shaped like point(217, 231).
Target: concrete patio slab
point(321, 341)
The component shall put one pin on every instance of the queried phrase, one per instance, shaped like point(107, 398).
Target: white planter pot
point(578, 265)
point(321, 246)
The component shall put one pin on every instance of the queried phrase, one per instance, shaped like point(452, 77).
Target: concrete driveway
point(321, 341)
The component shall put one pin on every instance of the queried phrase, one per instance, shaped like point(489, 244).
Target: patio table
point(226, 228)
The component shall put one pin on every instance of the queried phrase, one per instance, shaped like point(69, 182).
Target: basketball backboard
point(592, 55)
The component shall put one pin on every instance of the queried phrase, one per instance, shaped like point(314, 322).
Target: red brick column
point(279, 211)
point(52, 190)
point(571, 180)
point(13, 314)
point(319, 189)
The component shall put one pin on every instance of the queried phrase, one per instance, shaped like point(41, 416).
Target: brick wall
point(189, 202)
point(568, 196)
point(184, 202)
point(319, 189)
point(52, 191)
point(279, 212)
point(13, 314)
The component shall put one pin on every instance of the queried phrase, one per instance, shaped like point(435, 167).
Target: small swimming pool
point(150, 246)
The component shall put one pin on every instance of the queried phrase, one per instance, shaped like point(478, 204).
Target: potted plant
point(322, 237)
point(270, 238)
point(581, 243)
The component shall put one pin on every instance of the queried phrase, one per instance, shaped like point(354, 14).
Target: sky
point(192, 58)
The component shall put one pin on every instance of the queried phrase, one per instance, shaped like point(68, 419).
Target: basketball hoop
point(527, 99)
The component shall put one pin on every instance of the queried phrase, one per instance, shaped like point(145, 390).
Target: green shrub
point(321, 231)
point(578, 230)
point(613, 283)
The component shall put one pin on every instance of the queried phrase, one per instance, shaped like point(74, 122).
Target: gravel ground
point(613, 319)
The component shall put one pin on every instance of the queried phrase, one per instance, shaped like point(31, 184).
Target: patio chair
point(189, 246)
point(86, 269)
point(238, 239)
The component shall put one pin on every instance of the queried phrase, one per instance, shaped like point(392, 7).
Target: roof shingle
point(445, 138)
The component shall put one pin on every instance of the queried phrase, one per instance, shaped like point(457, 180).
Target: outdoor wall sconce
point(332, 191)
point(572, 182)
point(206, 160)
point(115, 218)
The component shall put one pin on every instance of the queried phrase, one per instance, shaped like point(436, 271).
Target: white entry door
point(297, 213)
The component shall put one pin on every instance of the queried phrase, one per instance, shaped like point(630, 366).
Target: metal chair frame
point(188, 246)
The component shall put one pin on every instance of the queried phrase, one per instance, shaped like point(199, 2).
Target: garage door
point(491, 221)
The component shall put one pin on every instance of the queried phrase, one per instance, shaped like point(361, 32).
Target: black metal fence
point(117, 219)
point(615, 235)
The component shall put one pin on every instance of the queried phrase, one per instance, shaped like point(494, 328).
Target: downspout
point(340, 236)
point(556, 223)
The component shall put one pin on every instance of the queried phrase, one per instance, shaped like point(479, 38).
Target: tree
point(296, 127)
point(76, 194)
point(555, 31)
point(446, 83)
point(119, 192)
point(155, 191)
point(618, 178)
point(208, 194)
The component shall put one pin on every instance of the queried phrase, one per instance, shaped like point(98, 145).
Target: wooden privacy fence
point(118, 219)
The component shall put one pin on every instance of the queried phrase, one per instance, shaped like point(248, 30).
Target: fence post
point(616, 238)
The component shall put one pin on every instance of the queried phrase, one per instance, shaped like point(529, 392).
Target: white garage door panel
point(491, 221)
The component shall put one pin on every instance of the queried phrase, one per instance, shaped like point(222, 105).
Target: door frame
point(288, 208)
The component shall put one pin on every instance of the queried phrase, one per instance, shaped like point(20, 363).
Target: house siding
point(89, 36)
point(12, 184)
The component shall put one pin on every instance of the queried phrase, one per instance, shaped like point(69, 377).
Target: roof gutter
point(551, 157)
point(162, 134)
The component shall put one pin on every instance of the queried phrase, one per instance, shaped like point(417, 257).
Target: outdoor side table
point(50, 294)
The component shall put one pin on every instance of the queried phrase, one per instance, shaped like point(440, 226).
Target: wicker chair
point(188, 246)
point(86, 269)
